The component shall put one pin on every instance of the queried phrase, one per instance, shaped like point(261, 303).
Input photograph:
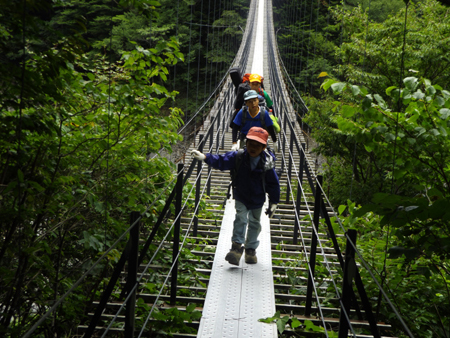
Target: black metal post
point(299, 194)
point(130, 311)
point(176, 235)
point(367, 307)
point(208, 187)
point(198, 186)
point(312, 253)
point(283, 143)
point(288, 192)
point(349, 273)
point(223, 123)
point(218, 131)
point(108, 291)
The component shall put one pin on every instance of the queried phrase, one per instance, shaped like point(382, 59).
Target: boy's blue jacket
point(249, 184)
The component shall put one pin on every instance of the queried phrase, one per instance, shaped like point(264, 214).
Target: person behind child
point(254, 178)
point(255, 82)
point(250, 117)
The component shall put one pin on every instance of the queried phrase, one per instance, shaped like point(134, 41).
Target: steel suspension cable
point(199, 52)
point(314, 230)
point(207, 50)
point(366, 266)
point(176, 259)
point(364, 67)
point(148, 265)
point(383, 274)
point(188, 72)
point(7, 309)
point(298, 20)
point(88, 272)
point(315, 42)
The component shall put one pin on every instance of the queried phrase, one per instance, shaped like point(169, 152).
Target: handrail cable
point(356, 250)
point(309, 211)
point(359, 255)
point(148, 265)
point(154, 255)
point(368, 268)
point(181, 247)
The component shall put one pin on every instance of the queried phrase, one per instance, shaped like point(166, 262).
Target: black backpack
point(236, 77)
point(233, 172)
point(240, 91)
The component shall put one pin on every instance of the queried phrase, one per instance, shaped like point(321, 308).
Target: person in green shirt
point(255, 84)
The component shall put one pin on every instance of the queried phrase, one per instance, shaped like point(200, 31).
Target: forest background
point(91, 90)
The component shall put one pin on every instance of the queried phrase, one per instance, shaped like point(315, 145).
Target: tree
point(76, 136)
point(411, 149)
point(376, 55)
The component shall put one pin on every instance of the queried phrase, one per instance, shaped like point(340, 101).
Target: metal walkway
point(238, 296)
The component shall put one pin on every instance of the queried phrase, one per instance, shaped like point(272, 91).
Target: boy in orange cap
point(255, 84)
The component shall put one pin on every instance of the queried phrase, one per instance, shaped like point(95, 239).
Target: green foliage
point(412, 150)
point(172, 320)
point(405, 231)
point(75, 162)
point(378, 10)
point(417, 285)
point(295, 324)
point(372, 54)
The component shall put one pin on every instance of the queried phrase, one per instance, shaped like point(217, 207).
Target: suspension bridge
point(306, 270)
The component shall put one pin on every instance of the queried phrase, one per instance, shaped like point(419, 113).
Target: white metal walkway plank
point(238, 296)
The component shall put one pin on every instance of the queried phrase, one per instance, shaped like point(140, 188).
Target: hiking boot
point(250, 256)
point(234, 256)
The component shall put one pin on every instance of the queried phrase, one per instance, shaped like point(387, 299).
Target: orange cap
point(258, 134)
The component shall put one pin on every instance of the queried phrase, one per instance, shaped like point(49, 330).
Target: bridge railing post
point(176, 235)
point(130, 312)
point(198, 186)
point(349, 274)
point(299, 194)
point(208, 187)
point(312, 253)
point(289, 173)
point(218, 131)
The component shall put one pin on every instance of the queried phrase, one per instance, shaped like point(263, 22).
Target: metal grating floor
point(238, 296)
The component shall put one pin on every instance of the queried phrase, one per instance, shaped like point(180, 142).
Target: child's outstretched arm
point(198, 155)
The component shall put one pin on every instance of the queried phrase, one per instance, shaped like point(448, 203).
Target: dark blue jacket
point(249, 183)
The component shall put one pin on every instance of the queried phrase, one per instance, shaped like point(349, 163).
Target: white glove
point(235, 147)
point(271, 209)
point(198, 155)
point(275, 147)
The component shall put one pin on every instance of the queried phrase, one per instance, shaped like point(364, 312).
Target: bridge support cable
point(281, 99)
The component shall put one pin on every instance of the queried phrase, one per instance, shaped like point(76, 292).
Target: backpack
point(269, 164)
point(236, 78)
point(240, 91)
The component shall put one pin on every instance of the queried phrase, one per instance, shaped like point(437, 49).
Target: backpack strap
point(238, 162)
point(262, 115)
point(244, 117)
